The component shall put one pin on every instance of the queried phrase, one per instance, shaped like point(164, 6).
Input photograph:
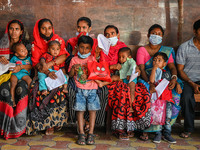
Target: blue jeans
point(87, 99)
point(167, 127)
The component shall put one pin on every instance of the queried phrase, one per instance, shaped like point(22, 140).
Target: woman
point(13, 120)
point(145, 62)
point(123, 120)
point(46, 112)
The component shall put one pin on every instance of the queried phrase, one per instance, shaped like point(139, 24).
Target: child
point(53, 52)
point(86, 97)
point(125, 67)
point(22, 69)
point(159, 62)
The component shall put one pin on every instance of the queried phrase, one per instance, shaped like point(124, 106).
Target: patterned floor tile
point(45, 143)
point(14, 147)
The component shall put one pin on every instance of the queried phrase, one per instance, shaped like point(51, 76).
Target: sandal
point(90, 139)
point(81, 139)
point(144, 137)
point(185, 134)
point(123, 136)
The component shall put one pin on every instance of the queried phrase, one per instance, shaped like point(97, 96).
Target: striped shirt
point(189, 56)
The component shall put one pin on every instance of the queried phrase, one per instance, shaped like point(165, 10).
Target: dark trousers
point(188, 107)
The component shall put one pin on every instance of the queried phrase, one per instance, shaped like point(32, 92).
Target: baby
point(53, 52)
point(123, 71)
point(22, 69)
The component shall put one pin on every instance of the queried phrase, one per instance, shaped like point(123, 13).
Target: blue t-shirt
point(18, 61)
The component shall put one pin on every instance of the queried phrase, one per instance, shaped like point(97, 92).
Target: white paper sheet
point(103, 43)
point(133, 75)
point(4, 68)
point(159, 89)
point(52, 84)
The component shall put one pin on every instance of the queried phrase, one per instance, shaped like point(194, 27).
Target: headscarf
point(40, 46)
point(5, 40)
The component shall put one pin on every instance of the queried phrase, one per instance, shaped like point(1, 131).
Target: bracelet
point(174, 76)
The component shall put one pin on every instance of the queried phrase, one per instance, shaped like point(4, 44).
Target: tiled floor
point(66, 139)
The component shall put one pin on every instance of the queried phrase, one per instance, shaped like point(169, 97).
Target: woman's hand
point(178, 88)
point(172, 84)
point(44, 66)
point(115, 67)
point(152, 88)
point(52, 75)
point(15, 69)
point(3, 60)
point(75, 50)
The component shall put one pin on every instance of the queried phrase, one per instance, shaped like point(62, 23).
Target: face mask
point(77, 33)
point(84, 56)
point(155, 39)
point(45, 37)
point(113, 40)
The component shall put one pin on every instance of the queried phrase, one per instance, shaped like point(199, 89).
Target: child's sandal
point(90, 139)
point(81, 139)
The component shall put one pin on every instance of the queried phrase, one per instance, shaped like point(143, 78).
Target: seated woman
point(13, 121)
point(124, 121)
point(145, 62)
point(46, 111)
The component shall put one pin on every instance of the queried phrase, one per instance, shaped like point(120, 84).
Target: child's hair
point(86, 40)
point(125, 49)
point(164, 56)
point(14, 46)
point(54, 42)
point(86, 19)
point(196, 25)
point(111, 26)
point(156, 26)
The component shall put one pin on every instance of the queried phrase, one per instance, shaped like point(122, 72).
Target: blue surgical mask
point(155, 39)
point(77, 33)
point(113, 40)
point(84, 56)
point(158, 74)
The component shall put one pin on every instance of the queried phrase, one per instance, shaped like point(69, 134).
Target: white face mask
point(155, 39)
point(77, 33)
point(113, 40)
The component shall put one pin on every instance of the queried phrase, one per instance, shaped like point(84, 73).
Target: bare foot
point(65, 88)
point(131, 134)
point(44, 92)
point(49, 131)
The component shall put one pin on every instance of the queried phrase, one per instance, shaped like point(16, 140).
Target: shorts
point(87, 99)
point(21, 74)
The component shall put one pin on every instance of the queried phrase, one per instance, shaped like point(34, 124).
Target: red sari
point(112, 57)
point(118, 100)
point(40, 46)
